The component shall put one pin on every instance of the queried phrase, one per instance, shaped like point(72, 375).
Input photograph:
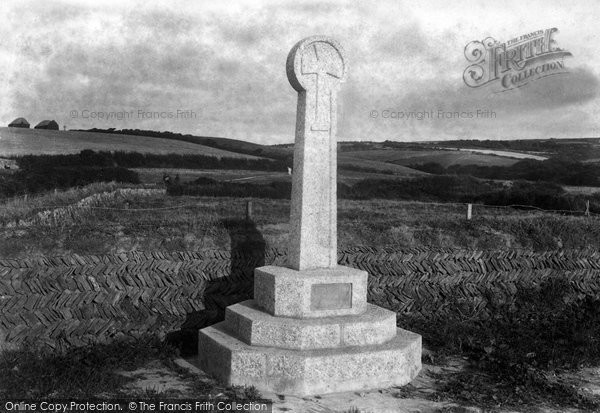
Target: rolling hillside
point(443, 157)
point(227, 144)
point(348, 160)
point(16, 141)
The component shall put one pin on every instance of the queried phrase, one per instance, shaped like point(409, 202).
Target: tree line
point(433, 188)
point(148, 160)
point(559, 171)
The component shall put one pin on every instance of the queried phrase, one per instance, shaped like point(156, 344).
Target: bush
point(147, 160)
point(444, 188)
point(559, 171)
point(210, 187)
point(46, 172)
point(544, 327)
point(434, 188)
point(367, 169)
point(38, 180)
point(551, 324)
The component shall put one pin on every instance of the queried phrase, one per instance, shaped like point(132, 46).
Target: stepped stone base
point(309, 332)
point(304, 372)
point(250, 324)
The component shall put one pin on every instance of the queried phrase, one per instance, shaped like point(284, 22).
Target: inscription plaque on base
point(334, 296)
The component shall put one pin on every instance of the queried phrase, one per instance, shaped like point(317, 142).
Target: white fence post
point(249, 211)
point(587, 208)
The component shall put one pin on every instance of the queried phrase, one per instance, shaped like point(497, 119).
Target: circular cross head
point(316, 59)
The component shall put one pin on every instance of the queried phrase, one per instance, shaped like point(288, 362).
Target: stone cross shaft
point(316, 67)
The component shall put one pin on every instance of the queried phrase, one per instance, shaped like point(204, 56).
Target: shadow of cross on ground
point(247, 247)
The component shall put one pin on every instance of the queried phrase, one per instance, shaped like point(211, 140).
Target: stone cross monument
point(315, 68)
point(309, 329)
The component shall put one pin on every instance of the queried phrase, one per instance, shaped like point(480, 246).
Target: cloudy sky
point(225, 62)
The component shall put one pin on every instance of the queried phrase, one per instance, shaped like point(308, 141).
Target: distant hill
point(19, 141)
point(227, 144)
point(576, 149)
point(278, 152)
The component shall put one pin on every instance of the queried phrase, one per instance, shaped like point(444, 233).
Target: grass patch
point(159, 222)
point(89, 371)
point(432, 188)
point(209, 387)
point(546, 329)
point(93, 371)
point(21, 208)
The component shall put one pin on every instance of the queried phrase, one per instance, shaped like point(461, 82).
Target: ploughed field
point(105, 218)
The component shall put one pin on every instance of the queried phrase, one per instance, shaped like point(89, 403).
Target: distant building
point(19, 123)
point(8, 164)
point(47, 124)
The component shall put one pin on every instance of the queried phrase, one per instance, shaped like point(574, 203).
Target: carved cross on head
point(316, 65)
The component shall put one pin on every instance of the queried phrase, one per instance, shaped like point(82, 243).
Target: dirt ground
point(423, 395)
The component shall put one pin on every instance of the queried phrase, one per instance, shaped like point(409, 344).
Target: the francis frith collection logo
point(514, 63)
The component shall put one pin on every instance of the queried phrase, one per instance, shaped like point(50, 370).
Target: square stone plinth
point(253, 326)
point(323, 292)
point(305, 372)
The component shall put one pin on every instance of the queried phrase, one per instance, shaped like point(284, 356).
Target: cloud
point(226, 61)
point(559, 100)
